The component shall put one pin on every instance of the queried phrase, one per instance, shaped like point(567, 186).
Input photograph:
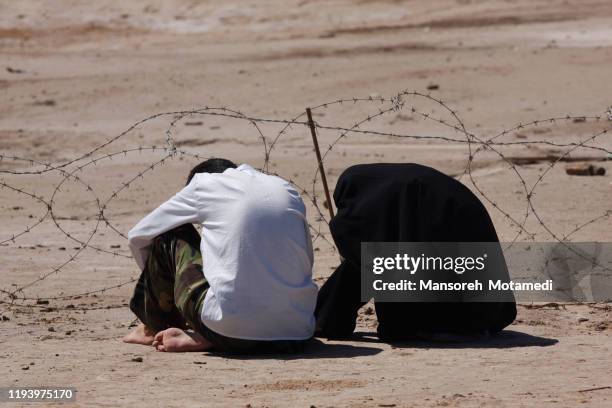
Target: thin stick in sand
point(313, 131)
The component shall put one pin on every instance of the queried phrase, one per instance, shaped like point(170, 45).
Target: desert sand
point(75, 75)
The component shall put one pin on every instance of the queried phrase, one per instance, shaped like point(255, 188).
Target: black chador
point(404, 203)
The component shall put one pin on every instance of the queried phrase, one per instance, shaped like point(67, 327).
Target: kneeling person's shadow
point(314, 349)
point(503, 339)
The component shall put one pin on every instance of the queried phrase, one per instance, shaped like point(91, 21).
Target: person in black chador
point(404, 203)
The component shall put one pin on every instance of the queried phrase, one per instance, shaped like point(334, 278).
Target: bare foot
point(177, 340)
point(140, 335)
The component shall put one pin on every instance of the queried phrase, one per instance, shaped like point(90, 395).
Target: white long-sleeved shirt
point(256, 251)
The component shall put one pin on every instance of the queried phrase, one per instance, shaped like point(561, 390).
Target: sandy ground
point(75, 74)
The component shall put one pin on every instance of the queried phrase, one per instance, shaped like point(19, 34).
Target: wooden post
point(313, 131)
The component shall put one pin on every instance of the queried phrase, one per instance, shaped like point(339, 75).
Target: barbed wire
point(70, 171)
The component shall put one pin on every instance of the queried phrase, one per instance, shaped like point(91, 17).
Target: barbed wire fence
point(405, 101)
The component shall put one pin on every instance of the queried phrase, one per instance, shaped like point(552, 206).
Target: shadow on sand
point(315, 349)
point(318, 349)
point(504, 339)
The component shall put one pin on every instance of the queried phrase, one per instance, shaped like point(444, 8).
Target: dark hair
point(214, 165)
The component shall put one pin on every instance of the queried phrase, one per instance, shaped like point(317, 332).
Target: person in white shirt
point(245, 285)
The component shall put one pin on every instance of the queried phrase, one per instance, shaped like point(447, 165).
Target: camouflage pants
point(172, 287)
point(171, 290)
